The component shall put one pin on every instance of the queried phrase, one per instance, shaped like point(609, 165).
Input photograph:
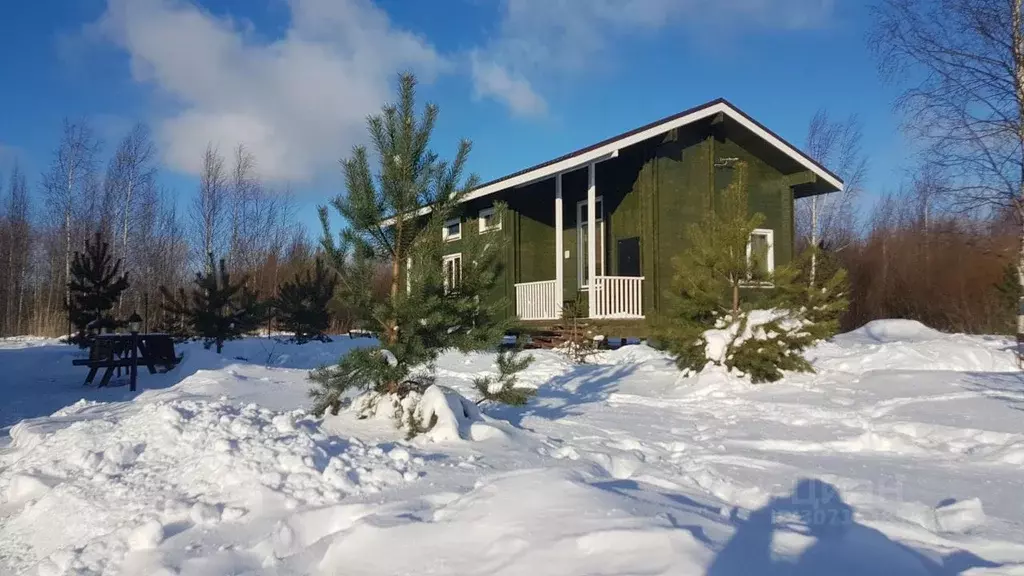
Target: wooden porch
point(608, 297)
point(613, 297)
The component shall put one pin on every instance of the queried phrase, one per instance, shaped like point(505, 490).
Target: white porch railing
point(537, 300)
point(619, 297)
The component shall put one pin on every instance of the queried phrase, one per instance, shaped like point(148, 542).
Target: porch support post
point(591, 240)
point(559, 247)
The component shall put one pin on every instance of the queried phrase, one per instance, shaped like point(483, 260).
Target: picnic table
point(115, 351)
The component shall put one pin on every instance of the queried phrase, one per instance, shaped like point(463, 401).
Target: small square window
point(452, 230)
point(489, 220)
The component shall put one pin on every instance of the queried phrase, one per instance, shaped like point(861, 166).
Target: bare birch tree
point(131, 173)
point(261, 223)
point(830, 220)
point(243, 186)
point(209, 209)
point(71, 172)
point(962, 62)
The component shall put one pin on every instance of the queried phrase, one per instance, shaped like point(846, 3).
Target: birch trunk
point(1018, 70)
point(814, 240)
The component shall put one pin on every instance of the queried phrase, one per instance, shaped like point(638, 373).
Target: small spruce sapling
point(96, 285)
point(302, 304)
point(503, 388)
point(216, 310)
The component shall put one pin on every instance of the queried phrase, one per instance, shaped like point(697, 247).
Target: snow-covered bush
point(437, 413)
point(760, 344)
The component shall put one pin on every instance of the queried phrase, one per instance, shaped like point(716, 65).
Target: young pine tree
point(396, 215)
point(503, 388)
point(579, 345)
point(216, 310)
point(302, 303)
point(95, 286)
point(820, 303)
point(719, 280)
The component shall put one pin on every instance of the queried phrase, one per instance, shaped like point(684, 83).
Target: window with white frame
point(488, 220)
point(582, 239)
point(452, 230)
point(451, 266)
point(761, 251)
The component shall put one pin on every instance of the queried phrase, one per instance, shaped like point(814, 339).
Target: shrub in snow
point(217, 310)
point(721, 280)
point(301, 304)
point(503, 388)
point(427, 307)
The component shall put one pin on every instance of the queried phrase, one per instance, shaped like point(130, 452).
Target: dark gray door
point(628, 250)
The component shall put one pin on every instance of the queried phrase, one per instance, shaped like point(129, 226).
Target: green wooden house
point(641, 189)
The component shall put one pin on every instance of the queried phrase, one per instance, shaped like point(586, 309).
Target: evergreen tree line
point(159, 240)
point(215, 308)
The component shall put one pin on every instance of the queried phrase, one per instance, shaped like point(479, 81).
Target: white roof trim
point(610, 150)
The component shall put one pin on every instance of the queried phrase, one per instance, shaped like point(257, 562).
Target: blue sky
point(526, 80)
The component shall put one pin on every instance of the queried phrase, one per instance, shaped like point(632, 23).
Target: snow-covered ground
point(904, 454)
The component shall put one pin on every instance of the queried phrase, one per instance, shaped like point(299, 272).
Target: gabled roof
point(610, 147)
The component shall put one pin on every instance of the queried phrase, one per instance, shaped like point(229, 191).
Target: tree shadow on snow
point(563, 395)
point(1005, 386)
point(840, 547)
point(40, 380)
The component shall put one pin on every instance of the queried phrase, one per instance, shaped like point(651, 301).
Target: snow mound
point(110, 481)
point(448, 414)
point(896, 330)
point(910, 345)
point(639, 354)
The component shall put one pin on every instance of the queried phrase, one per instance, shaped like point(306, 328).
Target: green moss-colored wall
point(682, 193)
point(769, 193)
point(653, 190)
point(470, 213)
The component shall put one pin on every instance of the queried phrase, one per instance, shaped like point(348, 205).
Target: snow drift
point(910, 345)
point(902, 455)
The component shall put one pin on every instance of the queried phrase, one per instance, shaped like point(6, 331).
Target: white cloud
point(492, 79)
point(297, 102)
point(540, 39)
